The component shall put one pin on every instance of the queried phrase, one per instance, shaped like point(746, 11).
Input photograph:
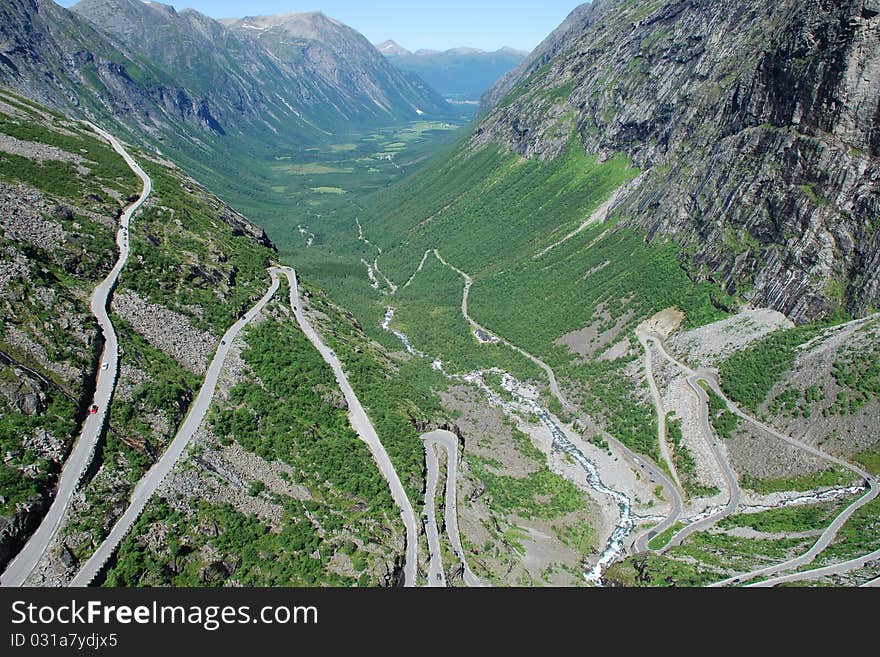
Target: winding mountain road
point(834, 569)
point(359, 420)
point(735, 492)
point(468, 282)
point(830, 532)
point(84, 449)
point(640, 543)
point(658, 406)
point(712, 380)
point(361, 423)
point(818, 547)
point(733, 408)
point(449, 441)
point(156, 474)
point(640, 465)
point(418, 269)
point(436, 574)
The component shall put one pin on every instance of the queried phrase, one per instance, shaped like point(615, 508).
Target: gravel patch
point(680, 399)
point(21, 219)
point(38, 151)
point(168, 331)
point(708, 346)
point(759, 454)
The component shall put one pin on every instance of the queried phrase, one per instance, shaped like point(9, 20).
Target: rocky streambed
point(518, 401)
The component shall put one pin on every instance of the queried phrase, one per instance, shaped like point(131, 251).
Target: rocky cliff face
point(569, 30)
point(756, 125)
point(52, 55)
point(230, 80)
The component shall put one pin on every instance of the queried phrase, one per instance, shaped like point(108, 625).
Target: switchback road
point(818, 547)
point(834, 569)
point(831, 531)
point(361, 423)
point(658, 406)
point(156, 474)
point(735, 492)
point(84, 449)
point(449, 441)
point(641, 465)
point(436, 574)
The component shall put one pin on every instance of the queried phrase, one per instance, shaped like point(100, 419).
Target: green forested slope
point(492, 215)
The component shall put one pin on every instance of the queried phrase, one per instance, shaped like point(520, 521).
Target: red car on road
point(93, 409)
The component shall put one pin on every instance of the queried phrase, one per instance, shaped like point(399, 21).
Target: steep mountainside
point(460, 73)
point(565, 293)
point(759, 152)
point(557, 40)
point(233, 79)
point(58, 202)
point(651, 163)
point(195, 264)
point(56, 56)
point(339, 69)
point(219, 101)
point(51, 54)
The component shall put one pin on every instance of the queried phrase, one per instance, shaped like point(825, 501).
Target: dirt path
point(638, 464)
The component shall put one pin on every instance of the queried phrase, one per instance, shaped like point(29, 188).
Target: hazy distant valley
point(462, 75)
point(618, 324)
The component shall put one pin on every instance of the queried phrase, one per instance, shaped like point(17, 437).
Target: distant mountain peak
point(162, 6)
point(461, 74)
point(464, 50)
point(391, 48)
point(513, 51)
point(84, 6)
point(167, 74)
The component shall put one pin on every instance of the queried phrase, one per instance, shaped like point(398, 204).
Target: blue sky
point(414, 24)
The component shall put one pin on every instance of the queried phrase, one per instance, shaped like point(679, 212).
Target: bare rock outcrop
point(756, 125)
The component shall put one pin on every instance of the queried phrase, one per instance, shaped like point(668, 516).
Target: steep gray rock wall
point(757, 124)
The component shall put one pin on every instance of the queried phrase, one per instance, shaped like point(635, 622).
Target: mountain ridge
point(796, 104)
point(391, 48)
point(213, 98)
point(461, 73)
point(342, 59)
